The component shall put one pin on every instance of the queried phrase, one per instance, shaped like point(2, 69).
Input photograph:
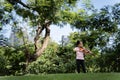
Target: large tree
point(41, 14)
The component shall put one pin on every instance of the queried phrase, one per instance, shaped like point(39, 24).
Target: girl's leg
point(78, 65)
point(83, 66)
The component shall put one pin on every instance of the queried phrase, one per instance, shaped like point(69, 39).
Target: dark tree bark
point(36, 39)
point(40, 50)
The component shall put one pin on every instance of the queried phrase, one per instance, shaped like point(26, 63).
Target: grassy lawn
point(81, 76)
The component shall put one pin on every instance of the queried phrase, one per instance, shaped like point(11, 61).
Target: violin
point(84, 50)
point(81, 49)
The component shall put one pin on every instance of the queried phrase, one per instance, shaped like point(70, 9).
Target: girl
point(80, 52)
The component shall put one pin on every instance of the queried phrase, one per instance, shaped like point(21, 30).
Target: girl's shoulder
point(76, 48)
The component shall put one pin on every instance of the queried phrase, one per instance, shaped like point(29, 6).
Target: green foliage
point(103, 21)
point(11, 60)
point(40, 10)
point(116, 12)
point(102, 59)
point(109, 61)
point(91, 39)
point(91, 61)
point(3, 61)
point(55, 60)
point(61, 59)
point(8, 7)
point(5, 9)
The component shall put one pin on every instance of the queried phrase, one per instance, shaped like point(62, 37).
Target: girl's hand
point(87, 51)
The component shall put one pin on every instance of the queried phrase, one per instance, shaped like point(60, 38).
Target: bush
point(10, 60)
point(55, 59)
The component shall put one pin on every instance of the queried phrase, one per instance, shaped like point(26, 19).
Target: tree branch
point(20, 2)
point(45, 42)
point(36, 39)
point(46, 39)
point(39, 50)
point(23, 4)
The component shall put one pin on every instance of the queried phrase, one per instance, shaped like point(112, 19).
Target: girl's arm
point(86, 51)
point(75, 49)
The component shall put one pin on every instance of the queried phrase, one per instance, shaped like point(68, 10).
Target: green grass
point(81, 76)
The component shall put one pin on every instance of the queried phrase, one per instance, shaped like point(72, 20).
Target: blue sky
point(57, 32)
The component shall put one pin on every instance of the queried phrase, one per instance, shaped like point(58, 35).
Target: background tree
point(96, 31)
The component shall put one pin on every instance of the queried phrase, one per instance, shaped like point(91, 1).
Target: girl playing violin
point(80, 52)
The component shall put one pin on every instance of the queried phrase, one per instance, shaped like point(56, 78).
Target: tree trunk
point(40, 50)
point(45, 42)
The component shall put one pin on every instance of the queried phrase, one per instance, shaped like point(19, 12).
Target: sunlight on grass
point(88, 76)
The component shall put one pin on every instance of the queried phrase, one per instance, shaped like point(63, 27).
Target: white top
point(79, 54)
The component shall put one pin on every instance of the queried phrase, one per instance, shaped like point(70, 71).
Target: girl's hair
point(77, 43)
